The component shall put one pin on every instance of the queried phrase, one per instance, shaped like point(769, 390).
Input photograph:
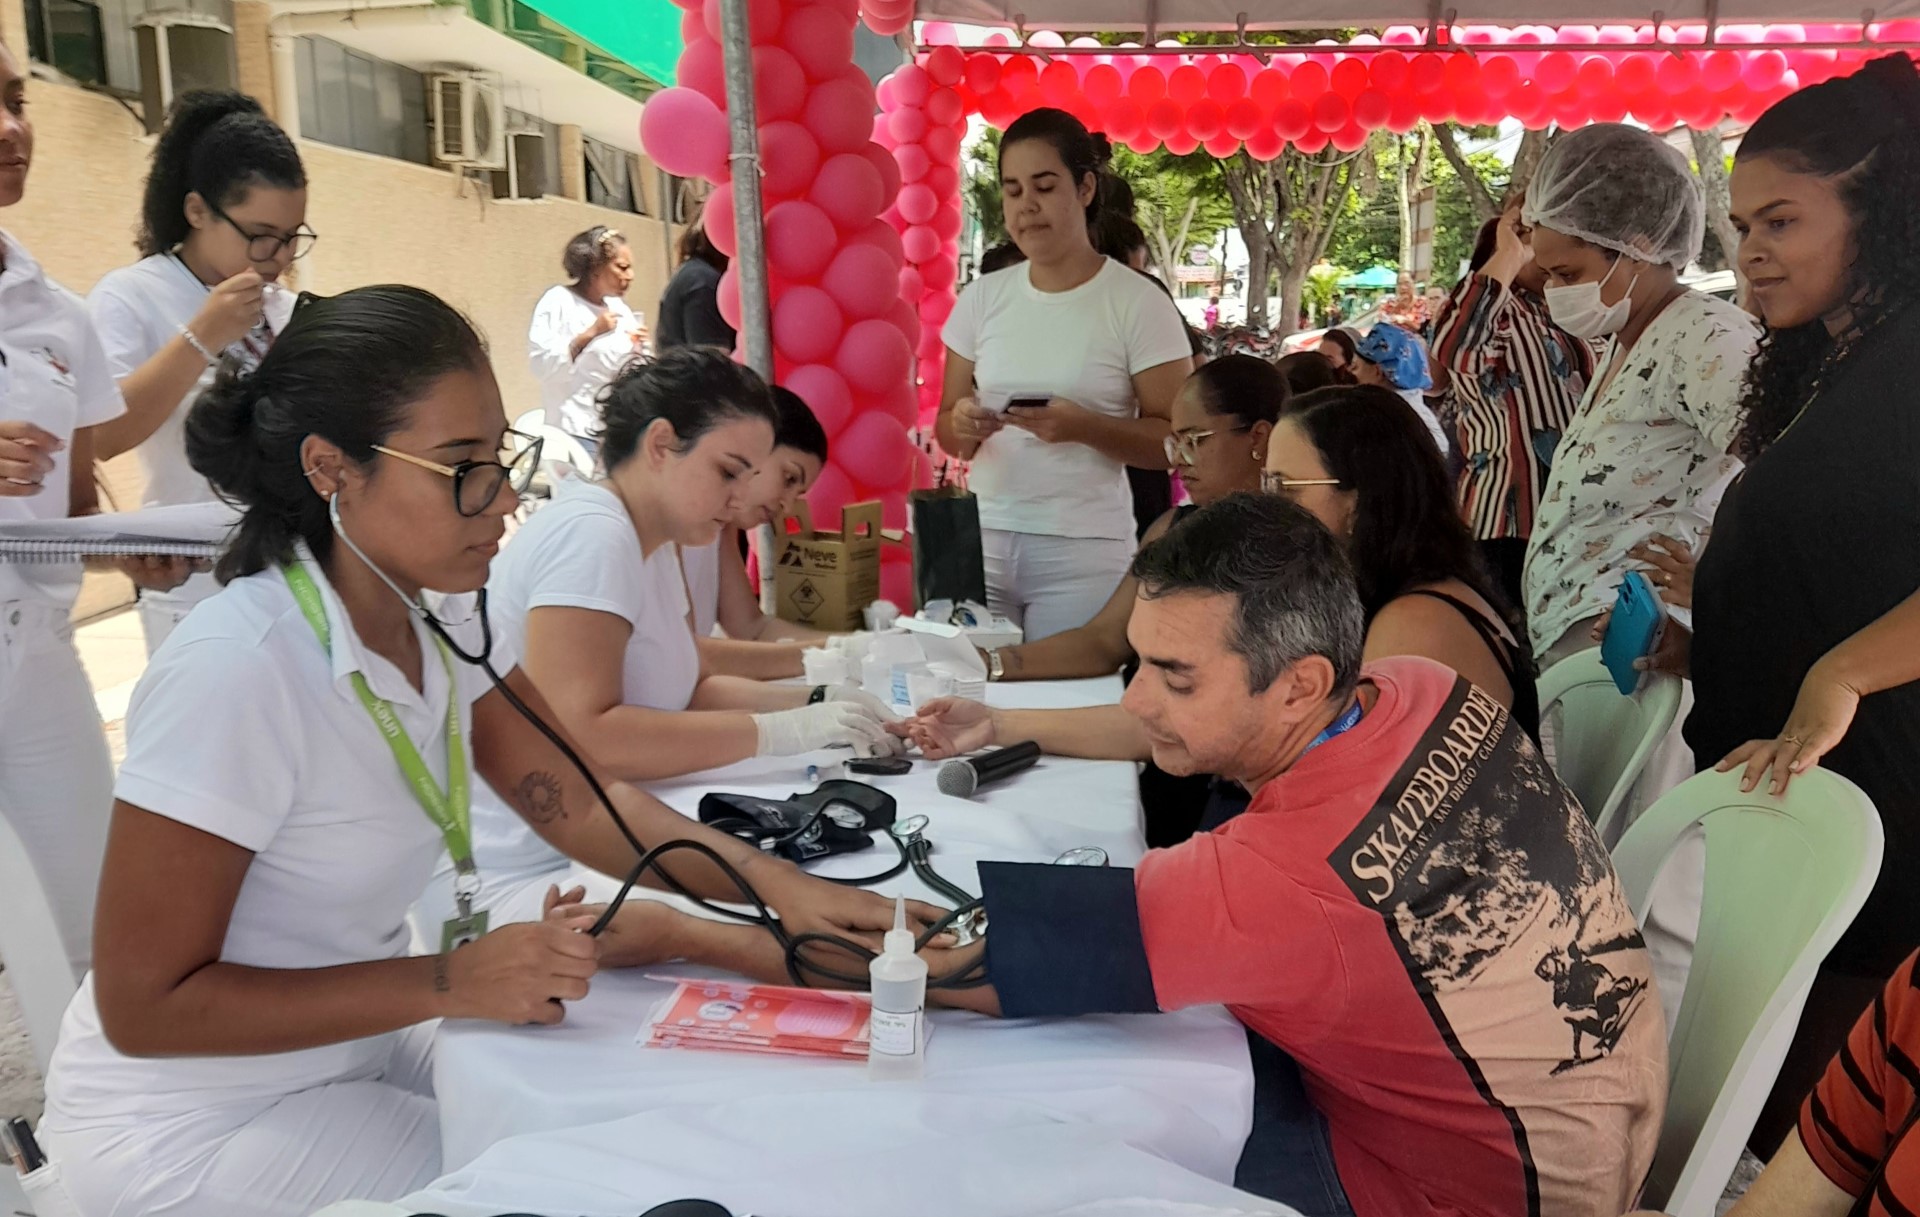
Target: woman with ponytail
point(253, 1039)
point(1061, 373)
point(223, 219)
point(1807, 602)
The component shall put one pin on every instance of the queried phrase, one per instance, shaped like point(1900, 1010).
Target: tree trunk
point(1484, 206)
point(1292, 285)
point(1710, 156)
point(1526, 162)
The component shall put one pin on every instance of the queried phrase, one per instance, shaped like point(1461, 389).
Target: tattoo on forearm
point(540, 798)
point(441, 984)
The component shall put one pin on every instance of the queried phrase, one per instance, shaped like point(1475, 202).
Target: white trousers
point(162, 612)
point(1672, 923)
point(1049, 585)
point(377, 1139)
point(56, 777)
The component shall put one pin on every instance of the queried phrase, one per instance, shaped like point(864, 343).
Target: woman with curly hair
point(1806, 612)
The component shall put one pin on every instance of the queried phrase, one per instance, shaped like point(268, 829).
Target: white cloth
point(1049, 585)
point(372, 1138)
point(53, 374)
point(569, 387)
point(244, 728)
point(1418, 400)
point(56, 777)
point(1085, 345)
point(702, 567)
point(1647, 456)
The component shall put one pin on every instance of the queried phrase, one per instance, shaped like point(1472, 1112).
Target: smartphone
point(1633, 631)
point(891, 766)
point(1028, 399)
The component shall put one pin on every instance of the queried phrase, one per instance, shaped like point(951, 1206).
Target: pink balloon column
point(843, 338)
point(924, 122)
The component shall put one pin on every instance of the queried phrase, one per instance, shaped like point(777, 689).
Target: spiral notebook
point(192, 530)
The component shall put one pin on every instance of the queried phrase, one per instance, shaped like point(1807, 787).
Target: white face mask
point(1578, 309)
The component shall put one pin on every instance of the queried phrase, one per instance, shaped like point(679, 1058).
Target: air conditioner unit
point(525, 176)
point(469, 120)
point(180, 51)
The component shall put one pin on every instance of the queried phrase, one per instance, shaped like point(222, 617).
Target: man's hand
point(1058, 422)
point(948, 727)
point(643, 933)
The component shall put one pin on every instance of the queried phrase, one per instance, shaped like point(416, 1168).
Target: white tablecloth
point(1012, 1119)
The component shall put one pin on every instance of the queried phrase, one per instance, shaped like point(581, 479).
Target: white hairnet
point(1622, 189)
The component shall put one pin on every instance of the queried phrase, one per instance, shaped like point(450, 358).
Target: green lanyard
point(450, 810)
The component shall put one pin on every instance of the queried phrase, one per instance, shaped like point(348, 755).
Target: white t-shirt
point(245, 728)
point(140, 308)
point(1649, 455)
point(54, 375)
point(702, 567)
point(1418, 400)
point(569, 387)
point(1085, 345)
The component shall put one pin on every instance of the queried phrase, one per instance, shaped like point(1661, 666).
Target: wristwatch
point(996, 665)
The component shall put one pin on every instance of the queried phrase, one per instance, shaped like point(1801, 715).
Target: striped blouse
point(1858, 1124)
point(1516, 381)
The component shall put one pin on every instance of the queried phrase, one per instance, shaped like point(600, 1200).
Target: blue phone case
point(1632, 631)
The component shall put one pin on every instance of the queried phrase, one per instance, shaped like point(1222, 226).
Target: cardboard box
point(825, 579)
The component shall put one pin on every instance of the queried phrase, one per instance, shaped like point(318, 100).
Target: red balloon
point(819, 39)
point(840, 116)
point(946, 65)
point(1244, 117)
point(874, 448)
point(703, 69)
point(1403, 114)
point(1676, 74)
point(1499, 75)
point(889, 26)
point(825, 392)
point(1147, 86)
point(1349, 78)
point(1351, 138)
point(1372, 109)
point(685, 134)
point(942, 144)
point(1292, 120)
point(849, 190)
point(1764, 70)
point(998, 109)
point(1227, 83)
point(1427, 72)
point(1059, 83)
point(1222, 146)
point(1555, 72)
point(918, 203)
point(888, 170)
point(920, 244)
point(800, 239)
point(862, 280)
point(779, 86)
point(1125, 120)
point(806, 324)
point(790, 158)
point(1609, 108)
point(1206, 120)
point(1634, 75)
point(1104, 85)
point(876, 356)
point(1331, 112)
point(1266, 145)
point(1720, 71)
point(939, 275)
point(1163, 118)
point(1186, 84)
point(947, 223)
point(983, 72)
point(1312, 142)
point(717, 215)
point(1182, 143)
point(1460, 73)
point(1308, 81)
point(944, 108)
point(944, 181)
point(1389, 70)
point(1527, 104)
point(1019, 74)
point(1268, 88)
point(1594, 76)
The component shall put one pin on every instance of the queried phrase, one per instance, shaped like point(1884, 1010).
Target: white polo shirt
point(53, 374)
point(701, 564)
point(569, 387)
point(245, 728)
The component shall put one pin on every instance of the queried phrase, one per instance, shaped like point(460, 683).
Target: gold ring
point(1795, 740)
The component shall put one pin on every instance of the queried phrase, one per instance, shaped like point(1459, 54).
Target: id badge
point(460, 931)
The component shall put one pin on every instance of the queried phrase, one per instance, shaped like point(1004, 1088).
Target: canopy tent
point(1372, 279)
point(1215, 15)
point(644, 33)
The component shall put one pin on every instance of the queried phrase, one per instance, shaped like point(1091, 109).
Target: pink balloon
point(920, 243)
point(930, 349)
point(908, 124)
point(789, 156)
point(826, 394)
point(806, 324)
point(840, 115)
point(874, 448)
point(896, 580)
point(887, 168)
point(944, 181)
point(763, 19)
point(726, 297)
point(849, 190)
point(913, 162)
point(939, 274)
point(718, 217)
point(703, 69)
point(937, 307)
point(862, 280)
point(946, 64)
point(832, 492)
point(875, 356)
point(944, 108)
point(905, 318)
point(819, 39)
point(918, 203)
point(779, 86)
point(912, 286)
point(947, 222)
point(685, 134)
point(943, 144)
point(800, 239)
point(886, 237)
point(889, 27)
point(911, 84)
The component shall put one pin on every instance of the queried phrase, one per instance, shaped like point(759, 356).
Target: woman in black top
point(1805, 608)
point(690, 307)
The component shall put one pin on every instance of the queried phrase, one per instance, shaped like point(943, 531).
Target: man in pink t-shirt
point(1448, 1001)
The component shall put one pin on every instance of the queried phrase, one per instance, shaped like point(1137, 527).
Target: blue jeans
point(1289, 1156)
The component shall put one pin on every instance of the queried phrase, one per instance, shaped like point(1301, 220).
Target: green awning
point(642, 33)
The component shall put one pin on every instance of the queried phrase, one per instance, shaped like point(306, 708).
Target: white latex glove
point(829, 723)
point(854, 695)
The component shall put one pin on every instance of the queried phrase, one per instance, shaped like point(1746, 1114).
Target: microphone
point(962, 777)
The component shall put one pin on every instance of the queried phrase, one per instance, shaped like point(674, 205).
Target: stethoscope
point(909, 835)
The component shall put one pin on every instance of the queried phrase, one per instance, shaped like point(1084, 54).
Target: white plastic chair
point(1604, 740)
point(1785, 877)
point(30, 945)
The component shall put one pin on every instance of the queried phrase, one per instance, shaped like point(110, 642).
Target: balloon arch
point(863, 213)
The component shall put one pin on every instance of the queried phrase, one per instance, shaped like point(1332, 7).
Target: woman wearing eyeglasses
point(254, 1040)
point(223, 219)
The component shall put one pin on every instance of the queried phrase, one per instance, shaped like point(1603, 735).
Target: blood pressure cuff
point(1065, 940)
